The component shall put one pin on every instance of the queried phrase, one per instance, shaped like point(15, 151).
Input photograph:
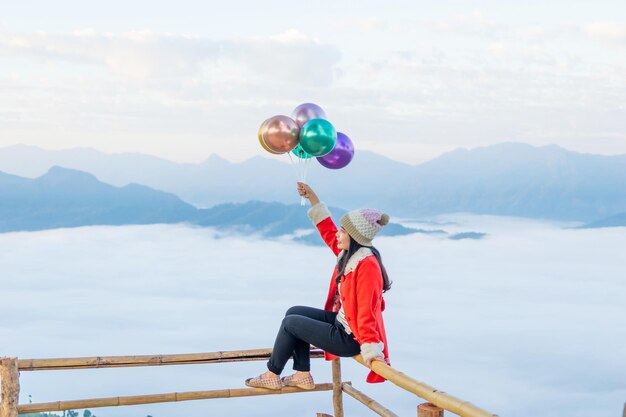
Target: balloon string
point(303, 177)
point(293, 164)
point(299, 175)
point(305, 169)
point(305, 165)
point(300, 169)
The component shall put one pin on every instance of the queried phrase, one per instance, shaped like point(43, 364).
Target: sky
point(409, 80)
point(529, 320)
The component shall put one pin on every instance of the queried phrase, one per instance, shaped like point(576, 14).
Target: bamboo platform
point(10, 368)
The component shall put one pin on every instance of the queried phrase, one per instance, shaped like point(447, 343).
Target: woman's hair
point(355, 246)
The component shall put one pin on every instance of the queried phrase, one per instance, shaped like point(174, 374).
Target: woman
point(351, 321)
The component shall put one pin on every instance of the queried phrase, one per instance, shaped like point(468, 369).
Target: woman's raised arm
point(320, 216)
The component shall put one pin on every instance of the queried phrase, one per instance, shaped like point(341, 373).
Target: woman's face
point(343, 239)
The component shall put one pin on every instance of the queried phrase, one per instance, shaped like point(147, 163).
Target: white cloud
point(510, 323)
point(146, 54)
point(289, 58)
point(437, 81)
point(140, 54)
point(610, 32)
point(121, 91)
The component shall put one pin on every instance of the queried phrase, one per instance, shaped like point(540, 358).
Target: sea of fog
point(529, 320)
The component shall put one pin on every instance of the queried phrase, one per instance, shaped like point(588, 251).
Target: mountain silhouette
point(70, 198)
point(512, 179)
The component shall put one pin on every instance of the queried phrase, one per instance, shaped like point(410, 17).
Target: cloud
point(155, 91)
point(288, 58)
point(395, 84)
point(509, 323)
point(138, 54)
point(606, 32)
point(145, 54)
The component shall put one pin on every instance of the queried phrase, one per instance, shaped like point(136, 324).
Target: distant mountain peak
point(20, 146)
point(216, 159)
point(60, 174)
point(511, 152)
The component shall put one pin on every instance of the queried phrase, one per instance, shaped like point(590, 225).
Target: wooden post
point(429, 410)
point(9, 378)
point(337, 391)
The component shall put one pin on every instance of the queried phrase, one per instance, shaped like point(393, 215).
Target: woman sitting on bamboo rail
point(351, 321)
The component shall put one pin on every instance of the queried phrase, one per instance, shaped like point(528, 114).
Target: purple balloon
point(341, 155)
point(307, 111)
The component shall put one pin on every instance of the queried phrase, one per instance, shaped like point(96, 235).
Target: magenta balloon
point(280, 134)
point(307, 111)
point(341, 155)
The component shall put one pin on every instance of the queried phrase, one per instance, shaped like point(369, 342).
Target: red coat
point(361, 297)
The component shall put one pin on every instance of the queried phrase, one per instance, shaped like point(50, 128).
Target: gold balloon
point(280, 134)
point(262, 142)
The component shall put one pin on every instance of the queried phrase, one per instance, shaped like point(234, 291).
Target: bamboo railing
point(160, 398)
point(367, 401)
point(149, 360)
point(10, 368)
point(433, 395)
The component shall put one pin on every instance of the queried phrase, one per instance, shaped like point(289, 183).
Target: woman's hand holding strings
point(307, 192)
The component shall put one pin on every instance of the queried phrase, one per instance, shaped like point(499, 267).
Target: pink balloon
point(307, 111)
point(280, 133)
point(262, 142)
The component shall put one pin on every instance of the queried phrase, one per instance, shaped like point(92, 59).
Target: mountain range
point(69, 198)
point(512, 179)
point(619, 220)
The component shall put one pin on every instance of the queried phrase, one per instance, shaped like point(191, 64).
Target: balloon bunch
point(306, 134)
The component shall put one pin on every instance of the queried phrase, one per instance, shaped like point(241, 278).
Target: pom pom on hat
point(362, 225)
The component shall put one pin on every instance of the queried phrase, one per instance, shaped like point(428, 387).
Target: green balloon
point(301, 153)
point(318, 137)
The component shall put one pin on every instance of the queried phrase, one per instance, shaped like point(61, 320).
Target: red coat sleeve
point(320, 216)
point(328, 231)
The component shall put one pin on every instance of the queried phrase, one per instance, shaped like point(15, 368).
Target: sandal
point(302, 382)
point(264, 382)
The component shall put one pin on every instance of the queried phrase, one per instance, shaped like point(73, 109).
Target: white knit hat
point(363, 224)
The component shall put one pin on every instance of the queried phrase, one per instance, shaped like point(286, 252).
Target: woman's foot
point(268, 380)
point(302, 380)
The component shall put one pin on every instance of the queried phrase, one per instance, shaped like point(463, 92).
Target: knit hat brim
point(349, 227)
point(362, 225)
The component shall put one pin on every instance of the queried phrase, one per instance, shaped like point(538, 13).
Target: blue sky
point(409, 80)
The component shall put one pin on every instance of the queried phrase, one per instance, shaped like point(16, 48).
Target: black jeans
point(305, 326)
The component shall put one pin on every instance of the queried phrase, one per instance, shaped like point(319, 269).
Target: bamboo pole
point(433, 395)
point(367, 401)
point(159, 398)
point(10, 391)
point(337, 392)
point(148, 360)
